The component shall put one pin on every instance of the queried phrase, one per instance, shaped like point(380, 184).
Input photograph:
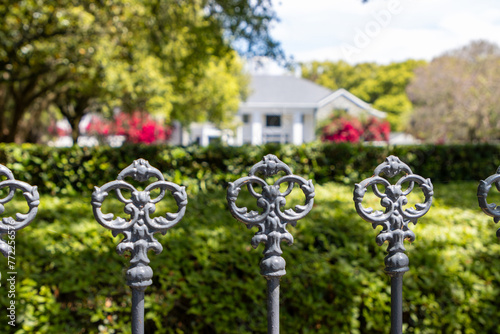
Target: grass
point(207, 280)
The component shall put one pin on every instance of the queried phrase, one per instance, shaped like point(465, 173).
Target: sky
point(382, 31)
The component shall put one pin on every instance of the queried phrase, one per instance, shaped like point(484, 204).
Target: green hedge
point(206, 280)
point(78, 170)
point(70, 280)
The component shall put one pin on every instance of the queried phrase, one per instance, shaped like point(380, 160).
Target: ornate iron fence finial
point(483, 190)
point(21, 220)
point(394, 221)
point(272, 222)
point(139, 230)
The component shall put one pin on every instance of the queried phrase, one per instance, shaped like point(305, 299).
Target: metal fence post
point(483, 189)
point(9, 225)
point(394, 222)
point(139, 230)
point(271, 222)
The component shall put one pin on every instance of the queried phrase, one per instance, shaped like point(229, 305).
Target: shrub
point(344, 129)
point(376, 130)
point(137, 127)
point(206, 280)
point(77, 170)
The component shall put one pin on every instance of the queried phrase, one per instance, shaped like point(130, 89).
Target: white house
point(281, 109)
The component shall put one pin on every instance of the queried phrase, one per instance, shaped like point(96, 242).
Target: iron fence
point(394, 222)
point(272, 222)
point(9, 225)
point(139, 229)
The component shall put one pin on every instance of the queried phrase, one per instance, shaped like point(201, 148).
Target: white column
point(256, 128)
point(203, 136)
point(239, 136)
point(297, 129)
point(176, 137)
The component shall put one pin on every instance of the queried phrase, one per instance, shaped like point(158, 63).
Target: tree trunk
point(19, 109)
point(75, 127)
point(74, 114)
point(4, 100)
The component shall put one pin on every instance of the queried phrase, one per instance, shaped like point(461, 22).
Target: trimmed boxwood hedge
point(207, 281)
point(77, 170)
point(70, 280)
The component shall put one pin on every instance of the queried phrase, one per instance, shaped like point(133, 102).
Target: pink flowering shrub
point(137, 127)
point(55, 130)
point(376, 130)
point(342, 129)
point(351, 130)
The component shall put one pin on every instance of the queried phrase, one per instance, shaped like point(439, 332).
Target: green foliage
point(75, 170)
point(381, 85)
point(206, 280)
point(456, 96)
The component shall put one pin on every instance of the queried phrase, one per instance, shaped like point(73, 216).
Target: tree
point(38, 46)
point(457, 96)
point(79, 55)
point(381, 85)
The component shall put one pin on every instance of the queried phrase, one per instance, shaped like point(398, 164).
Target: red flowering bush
point(376, 130)
point(56, 130)
point(342, 129)
point(348, 129)
point(137, 127)
point(99, 127)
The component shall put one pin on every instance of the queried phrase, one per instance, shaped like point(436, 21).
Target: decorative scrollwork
point(271, 223)
point(140, 228)
point(21, 220)
point(395, 219)
point(483, 190)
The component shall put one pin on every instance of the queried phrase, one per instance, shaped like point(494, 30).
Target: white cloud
point(320, 29)
point(467, 27)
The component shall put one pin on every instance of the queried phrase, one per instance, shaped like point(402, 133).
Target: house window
point(245, 118)
point(273, 120)
point(214, 140)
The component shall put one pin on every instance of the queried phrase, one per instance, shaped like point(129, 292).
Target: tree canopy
point(381, 85)
point(457, 96)
point(169, 57)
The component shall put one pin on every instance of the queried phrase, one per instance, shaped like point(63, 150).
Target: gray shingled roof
point(285, 89)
